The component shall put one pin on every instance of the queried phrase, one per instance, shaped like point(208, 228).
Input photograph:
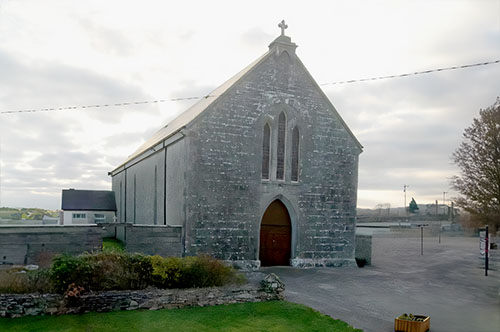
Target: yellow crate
point(401, 325)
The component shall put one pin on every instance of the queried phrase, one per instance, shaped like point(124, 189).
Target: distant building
point(46, 220)
point(87, 206)
point(263, 170)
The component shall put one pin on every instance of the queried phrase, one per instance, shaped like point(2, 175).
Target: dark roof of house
point(91, 200)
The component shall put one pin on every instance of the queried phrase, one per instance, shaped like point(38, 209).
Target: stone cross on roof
point(283, 26)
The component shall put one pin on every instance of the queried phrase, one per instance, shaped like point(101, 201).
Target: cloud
point(106, 39)
point(46, 84)
point(256, 38)
point(85, 53)
point(409, 127)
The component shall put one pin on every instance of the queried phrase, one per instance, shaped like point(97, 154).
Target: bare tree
point(478, 158)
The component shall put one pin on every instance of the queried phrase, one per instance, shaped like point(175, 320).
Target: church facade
point(263, 171)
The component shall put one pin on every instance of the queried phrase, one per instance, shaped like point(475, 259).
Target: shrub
point(114, 270)
point(110, 270)
point(106, 270)
point(206, 271)
point(13, 282)
point(199, 271)
point(140, 271)
point(68, 269)
point(167, 272)
point(40, 281)
point(20, 281)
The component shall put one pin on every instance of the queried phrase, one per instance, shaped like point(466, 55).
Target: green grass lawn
point(255, 317)
point(112, 244)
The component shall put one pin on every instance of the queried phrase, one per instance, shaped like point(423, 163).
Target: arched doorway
point(275, 235)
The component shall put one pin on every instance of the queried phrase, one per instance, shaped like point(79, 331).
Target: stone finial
point(283, 26)
point(283, 43)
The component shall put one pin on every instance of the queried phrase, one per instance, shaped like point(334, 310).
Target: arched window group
point(280, 151)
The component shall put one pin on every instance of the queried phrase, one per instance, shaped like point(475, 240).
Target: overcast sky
point(74, 53)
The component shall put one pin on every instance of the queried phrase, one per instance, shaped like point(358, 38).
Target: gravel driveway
point(447, 283)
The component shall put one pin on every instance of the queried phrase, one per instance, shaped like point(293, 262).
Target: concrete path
point(447, 283)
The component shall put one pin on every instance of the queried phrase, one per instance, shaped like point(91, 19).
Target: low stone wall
point(18, 305)
point(21, 245)
point(147, 239)
point(364, 249)
point(322, 262)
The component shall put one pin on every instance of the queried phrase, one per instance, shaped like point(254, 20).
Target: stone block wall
point(38, 244)
point(147, 239)
point(154, 240)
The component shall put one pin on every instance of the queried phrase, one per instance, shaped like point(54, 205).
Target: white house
point(87, 206)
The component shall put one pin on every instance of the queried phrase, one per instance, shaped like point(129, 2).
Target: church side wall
point(226, 197)
point(118, 187)
point(139, 191)
point(140, 188)
point(175, 183)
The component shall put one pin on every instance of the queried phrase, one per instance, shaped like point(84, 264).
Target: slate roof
point(191, 113)
point(89, 200)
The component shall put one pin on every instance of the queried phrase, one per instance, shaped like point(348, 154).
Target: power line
point(103, 105)
point(415, 73)
point(208, 96)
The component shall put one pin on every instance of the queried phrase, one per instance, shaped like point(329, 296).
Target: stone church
point(263, 171)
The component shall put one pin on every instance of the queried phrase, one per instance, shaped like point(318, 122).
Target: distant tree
point(383, 206)
point(413, 206)
point(478, 158)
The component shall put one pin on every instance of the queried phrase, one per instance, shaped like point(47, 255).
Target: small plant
point(73, 294)
point(411, 318)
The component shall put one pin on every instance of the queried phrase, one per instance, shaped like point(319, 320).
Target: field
point(265, 316)
point(25, 213)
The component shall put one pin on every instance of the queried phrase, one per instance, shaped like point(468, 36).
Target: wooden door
point(275, 236)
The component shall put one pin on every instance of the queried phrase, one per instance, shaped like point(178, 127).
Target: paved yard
point(447, 283)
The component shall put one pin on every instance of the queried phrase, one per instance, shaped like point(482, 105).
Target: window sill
point(280, 182)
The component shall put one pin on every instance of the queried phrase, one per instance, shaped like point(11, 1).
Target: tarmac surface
point(447, 282)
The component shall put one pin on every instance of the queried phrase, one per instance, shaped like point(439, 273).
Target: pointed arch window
point(280, 164)
point(295, 154)
point(266, 151)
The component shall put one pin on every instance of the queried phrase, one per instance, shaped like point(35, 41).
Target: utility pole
point(440, 221)
point(486, 251)
point(444, 201)
point(404, 190)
